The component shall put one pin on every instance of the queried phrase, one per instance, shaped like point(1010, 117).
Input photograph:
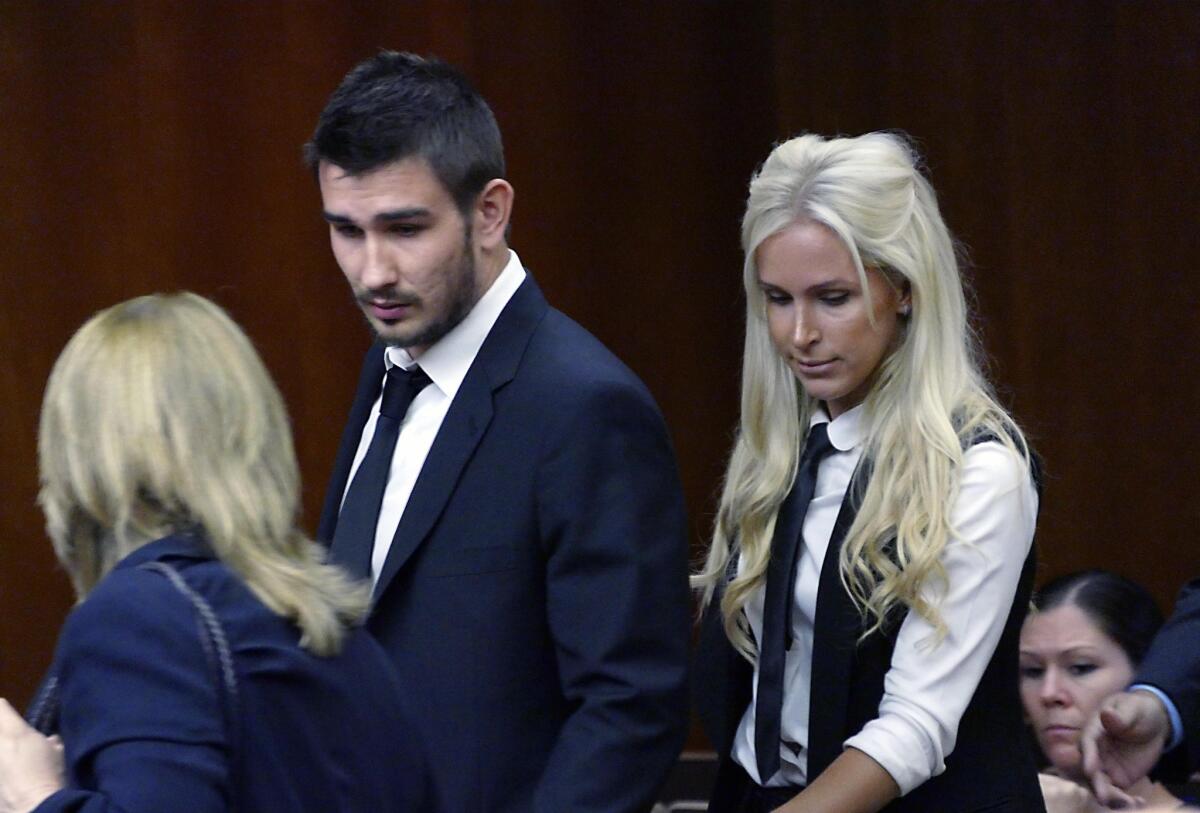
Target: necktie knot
point(818, 446)
point(354, 537)
point(399, 390)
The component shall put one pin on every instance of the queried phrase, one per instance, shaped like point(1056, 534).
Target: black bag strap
point(220, 660)
point(43, 711)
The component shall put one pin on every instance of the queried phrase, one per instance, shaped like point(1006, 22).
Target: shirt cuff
point(1172, 712)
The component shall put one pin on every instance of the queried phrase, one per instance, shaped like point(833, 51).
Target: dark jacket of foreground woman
point(147, 728)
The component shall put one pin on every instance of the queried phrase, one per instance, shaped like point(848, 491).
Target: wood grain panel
point(155, 146)
point(1061, 138)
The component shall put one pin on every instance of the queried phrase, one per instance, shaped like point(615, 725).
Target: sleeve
point(927, 687)
point(140, 720)
point(1174, 719)
point(1173, 666)
point(612, 519)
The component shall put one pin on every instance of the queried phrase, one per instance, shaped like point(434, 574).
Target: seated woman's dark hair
point(1122, 609)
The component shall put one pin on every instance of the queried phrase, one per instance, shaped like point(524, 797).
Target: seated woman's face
point(819, 316)
point(1068, 665)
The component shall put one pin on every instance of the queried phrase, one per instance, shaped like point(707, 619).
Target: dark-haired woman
point(1089, 633)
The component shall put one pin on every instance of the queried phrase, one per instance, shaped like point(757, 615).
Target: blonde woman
point(214, 661)
point(871, 561)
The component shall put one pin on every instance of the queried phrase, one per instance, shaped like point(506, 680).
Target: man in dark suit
point(1159, 711)
point(525, 528)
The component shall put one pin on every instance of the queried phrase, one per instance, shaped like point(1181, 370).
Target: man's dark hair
point(398, 105)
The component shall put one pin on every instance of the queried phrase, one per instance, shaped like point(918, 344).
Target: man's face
point(404, 247)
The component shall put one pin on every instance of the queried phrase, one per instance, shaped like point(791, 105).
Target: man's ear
point(493, 208)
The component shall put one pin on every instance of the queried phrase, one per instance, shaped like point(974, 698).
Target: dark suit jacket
point(1173, 664)
point(536, 586)
point(144, 728)
point(992, 766)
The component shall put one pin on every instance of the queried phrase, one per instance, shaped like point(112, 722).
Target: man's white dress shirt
point(446, 363)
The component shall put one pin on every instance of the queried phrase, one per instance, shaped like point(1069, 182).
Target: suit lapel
point(465, 425)
point(456, 440)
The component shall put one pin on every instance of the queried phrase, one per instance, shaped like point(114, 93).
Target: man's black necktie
point(777, 609)
point(354, 538)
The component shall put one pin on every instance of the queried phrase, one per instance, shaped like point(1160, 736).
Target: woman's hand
point(31, 765)
point(1064, 796)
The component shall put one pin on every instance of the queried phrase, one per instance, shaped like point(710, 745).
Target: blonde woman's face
point(1068, 666)
point(819, 315)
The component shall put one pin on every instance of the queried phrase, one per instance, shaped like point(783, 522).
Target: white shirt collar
point(846, 430)
point(447, 361)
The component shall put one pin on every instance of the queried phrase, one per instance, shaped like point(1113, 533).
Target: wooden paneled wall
point(149, 146)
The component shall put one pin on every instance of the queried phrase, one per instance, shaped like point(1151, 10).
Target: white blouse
point(927, 687)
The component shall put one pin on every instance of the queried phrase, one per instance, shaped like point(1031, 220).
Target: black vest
point(992, 766)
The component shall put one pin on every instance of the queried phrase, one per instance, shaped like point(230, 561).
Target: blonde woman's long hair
point(928, 400)
point(159, 417)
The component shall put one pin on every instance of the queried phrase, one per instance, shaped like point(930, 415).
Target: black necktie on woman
point(354, 537)
point(777, 608)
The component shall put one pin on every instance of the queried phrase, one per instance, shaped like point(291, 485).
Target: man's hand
point(1121, 743)
point(31, 766)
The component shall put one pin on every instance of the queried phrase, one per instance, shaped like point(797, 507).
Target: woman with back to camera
point(871, 561)
point(214, 662)
point(1084, 641)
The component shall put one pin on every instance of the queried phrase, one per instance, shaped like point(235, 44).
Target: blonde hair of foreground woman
point(928, 400)
point(159, 417)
